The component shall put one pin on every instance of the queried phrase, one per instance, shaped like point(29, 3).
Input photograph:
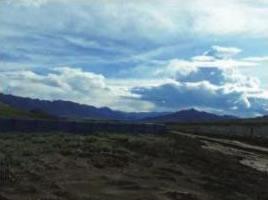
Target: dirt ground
point(173, 166)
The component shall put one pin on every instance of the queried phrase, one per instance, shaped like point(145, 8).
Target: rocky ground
point(173, 166)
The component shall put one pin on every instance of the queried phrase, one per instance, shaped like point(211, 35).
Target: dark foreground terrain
point(123, 167)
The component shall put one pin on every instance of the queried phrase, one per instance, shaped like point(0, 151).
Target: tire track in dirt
point(249, 155)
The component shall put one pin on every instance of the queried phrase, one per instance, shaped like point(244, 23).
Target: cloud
point(202, 95)
point(171, 17)
point(28, 2)
point(257, 59)
point(207, 82)
point(124, 33)
point(162, 45)
point(211, 83)
point(231, 17)
point(220, 52)
point(71, 84)
point(217, 63)
point(154, 20)
point(228, 98)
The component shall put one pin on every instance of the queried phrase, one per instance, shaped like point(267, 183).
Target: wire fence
point(7, 176)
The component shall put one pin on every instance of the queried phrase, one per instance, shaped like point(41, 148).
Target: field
point(126, 167)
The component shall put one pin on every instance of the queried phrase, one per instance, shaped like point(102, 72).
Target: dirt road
point(252, 156)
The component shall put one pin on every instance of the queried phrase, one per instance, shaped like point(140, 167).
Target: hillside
point(7, 111)
point(190, 115)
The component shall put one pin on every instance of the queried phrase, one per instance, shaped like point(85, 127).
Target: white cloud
point(66, 31)
point(153, 20)
point(103, 31)
point(235, 98)
point(222, 52)
point(215, 57)
point(256, 59)
point(231, 17)
point(205, 82)
point(210, 82)
point(36, 3)
point(71, 84)
point(203, 58)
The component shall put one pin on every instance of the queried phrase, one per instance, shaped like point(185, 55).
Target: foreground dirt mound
point(121, 167)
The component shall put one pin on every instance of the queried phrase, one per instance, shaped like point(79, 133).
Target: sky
point(153, 55)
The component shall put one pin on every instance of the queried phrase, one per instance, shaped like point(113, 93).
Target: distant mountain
point(68, 109)
point(260, 119)
point(190, 115)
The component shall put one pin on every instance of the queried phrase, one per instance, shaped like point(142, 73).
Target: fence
point(231, 129)
point(7, 177)
point(43, 126)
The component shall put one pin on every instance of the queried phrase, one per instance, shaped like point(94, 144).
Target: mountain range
point(72, 110)
point(36, 108)
point(191, 115)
